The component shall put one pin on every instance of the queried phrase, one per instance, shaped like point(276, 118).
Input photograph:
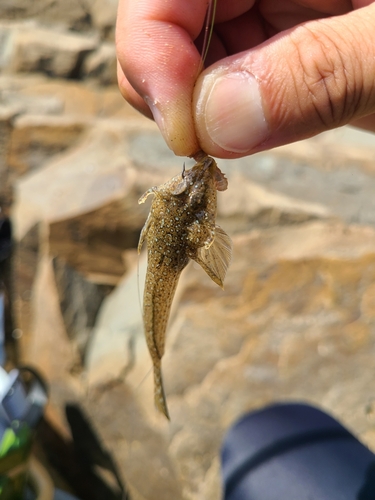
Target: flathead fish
point(180, 226)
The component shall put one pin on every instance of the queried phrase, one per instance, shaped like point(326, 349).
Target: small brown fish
point(180, 226)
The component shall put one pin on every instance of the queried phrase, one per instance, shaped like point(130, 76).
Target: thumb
point(306, 80)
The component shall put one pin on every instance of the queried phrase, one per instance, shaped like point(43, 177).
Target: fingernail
point(156, 113)
point(234, 114)
point(176, 125)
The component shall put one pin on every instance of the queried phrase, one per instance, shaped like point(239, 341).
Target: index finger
point(160, 61)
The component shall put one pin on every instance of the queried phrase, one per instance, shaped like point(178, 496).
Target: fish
point(181, 226)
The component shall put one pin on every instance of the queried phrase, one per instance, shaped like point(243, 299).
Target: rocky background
point(296, 320)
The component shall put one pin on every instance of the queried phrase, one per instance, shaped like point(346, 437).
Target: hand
point(282, 71)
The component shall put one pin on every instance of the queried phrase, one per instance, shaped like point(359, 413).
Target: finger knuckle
point(327, 78)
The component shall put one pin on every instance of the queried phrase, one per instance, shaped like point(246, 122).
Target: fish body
point(180, 226)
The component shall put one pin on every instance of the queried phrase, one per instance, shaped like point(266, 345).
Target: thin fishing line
point(138, 288)
point(209, 28)
point(145, 377)
point(141, 308)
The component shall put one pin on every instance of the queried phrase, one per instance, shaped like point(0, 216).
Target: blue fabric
point(295, 452)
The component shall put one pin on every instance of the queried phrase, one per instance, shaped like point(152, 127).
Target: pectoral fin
point(144, 232)
point(216, 259)
point(146, 227)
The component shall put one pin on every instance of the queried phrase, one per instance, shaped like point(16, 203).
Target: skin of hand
point(278, 72)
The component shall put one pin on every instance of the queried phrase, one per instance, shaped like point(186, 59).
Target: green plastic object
point(15, 447)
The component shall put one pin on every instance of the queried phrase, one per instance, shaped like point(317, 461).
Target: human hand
point(282, 71)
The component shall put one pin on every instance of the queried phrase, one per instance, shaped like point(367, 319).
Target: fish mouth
point(202, 170)
point(201, 167)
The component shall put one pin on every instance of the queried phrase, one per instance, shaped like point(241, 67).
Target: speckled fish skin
point(180, 226)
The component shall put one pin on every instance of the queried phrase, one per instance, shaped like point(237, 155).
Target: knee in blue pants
point(295, 452)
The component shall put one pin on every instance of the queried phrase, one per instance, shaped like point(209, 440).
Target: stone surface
point(308, 176)
point(79, 301)
point(103, 14)
point(25, 264)
point(70, 13)
point(292, 324)
point(82, 180)
point(78, 16)
point(118, 348)
point(117, 340)
point(102, 64)
point(35, 138)
point(37, 94)
point(49, 51)
point(94, 243)
point(6, 116)
point(48, 347)
point(28, 47)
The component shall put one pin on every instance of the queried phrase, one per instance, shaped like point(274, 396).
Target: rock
point(32, 105)
point(7, 33)
point(254, 204)
point(40, 95)
point(79, 300)
point(343, 146)
point(25, 264)
point(301, 177)
point(291, 308)
point(94, 242)
point(36, 49)
point(118, 343)
point(83, 180)
point(49, 348)
point(125, 428)
point(102, 64)
point(6, 116)
point(68, 13)
point(35, 138)
point(104, 14)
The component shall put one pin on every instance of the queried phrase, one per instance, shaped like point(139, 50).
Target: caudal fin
point(159, 394)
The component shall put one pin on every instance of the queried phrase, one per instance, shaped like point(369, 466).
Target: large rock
point(95, 173)
point(295, 322)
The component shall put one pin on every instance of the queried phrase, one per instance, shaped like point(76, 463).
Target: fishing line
point(144, 379)
point(138, 289)
point(208, 30)
point(137, 388)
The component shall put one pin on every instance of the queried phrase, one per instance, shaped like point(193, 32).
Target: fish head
point(201, 183)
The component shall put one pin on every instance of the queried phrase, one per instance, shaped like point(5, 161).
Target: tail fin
point(159, 394)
